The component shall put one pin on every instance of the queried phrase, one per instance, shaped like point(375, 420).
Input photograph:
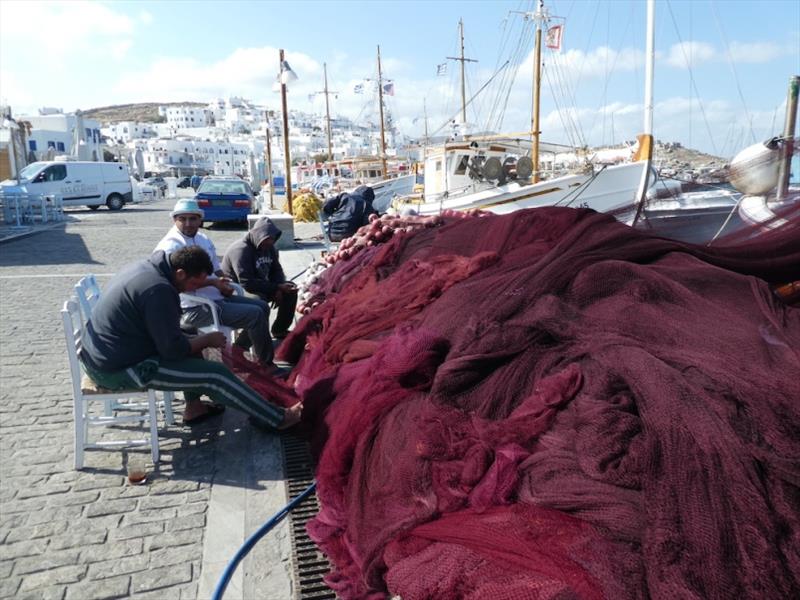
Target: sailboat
point(499, 174)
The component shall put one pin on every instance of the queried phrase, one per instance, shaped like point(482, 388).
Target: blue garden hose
point(253, 539)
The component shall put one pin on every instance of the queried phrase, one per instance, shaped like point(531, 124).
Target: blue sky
point(87, 54)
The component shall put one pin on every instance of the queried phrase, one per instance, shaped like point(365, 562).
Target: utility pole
point(269, 165)
point(462, 60)
point(287, 158)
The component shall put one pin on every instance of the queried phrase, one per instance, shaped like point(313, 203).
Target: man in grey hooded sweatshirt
point(252, 262)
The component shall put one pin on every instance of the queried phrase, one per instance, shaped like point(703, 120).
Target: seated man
point(234, 311)
point(347, 212)
point(253, 263)
point(134, 340)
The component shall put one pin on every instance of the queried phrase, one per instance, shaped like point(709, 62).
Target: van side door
point(83, 184)
point(49, 181)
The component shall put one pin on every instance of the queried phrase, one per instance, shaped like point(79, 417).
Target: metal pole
point(463, 77)
point(288, 159)
point(788, 138)
point(380, 105)
point(327, 111)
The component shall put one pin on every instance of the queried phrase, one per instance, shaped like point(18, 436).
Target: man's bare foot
point(197, 411)
point(292, 416)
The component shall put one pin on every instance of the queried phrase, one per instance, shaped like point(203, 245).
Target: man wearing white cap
point(237, 312)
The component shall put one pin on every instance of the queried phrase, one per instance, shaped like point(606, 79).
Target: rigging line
point(519, 59)
point(505, 82)
point(586, 47)
point(691, 79)
point(561, 113)
point(733, 68)
point(446, 123)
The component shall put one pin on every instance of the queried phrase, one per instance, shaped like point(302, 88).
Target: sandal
point(212, 410)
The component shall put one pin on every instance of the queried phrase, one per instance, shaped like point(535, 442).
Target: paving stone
point(136, 531)
point(48, 593)
point(75, 498)
point(49, 560)
point(113, 587)
point(192, 509)
point(175, 555)
point(197, 521)
point(148, 516)
point(20, 534)
point(9, 587)
point(78, 539)
point(5, 568)
point(29, 548)
point(174, 487)
point(176, 538)
point(162, 501)
point(52, 577)
point(89, 482)
point(48, 490)
point(116, 549)
point(118, 566)
point(48, 515)
point(125, 491)
point(111, 507)
point(161, 578)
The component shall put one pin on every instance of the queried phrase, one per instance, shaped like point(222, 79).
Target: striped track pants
point(194, 376)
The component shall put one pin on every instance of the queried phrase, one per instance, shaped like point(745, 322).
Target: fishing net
point(551, 404)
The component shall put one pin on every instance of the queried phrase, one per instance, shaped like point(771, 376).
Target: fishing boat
point(502, 174)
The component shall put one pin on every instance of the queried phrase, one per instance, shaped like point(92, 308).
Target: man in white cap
point(237, 312)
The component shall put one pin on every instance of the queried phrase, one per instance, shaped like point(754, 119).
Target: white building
point(186, 155)
point(57, 130)
point(125, 131)
point(185, 116)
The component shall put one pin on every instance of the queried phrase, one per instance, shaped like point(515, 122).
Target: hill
point(145, 112)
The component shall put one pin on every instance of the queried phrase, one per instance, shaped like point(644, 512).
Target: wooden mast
point(539, 18)
point(287, 158)
point(269, 165)
point(380, 106)
point(463, 75)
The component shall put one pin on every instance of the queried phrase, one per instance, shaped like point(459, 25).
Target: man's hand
point(215, 339)
point(287, 287)
point(223, 285)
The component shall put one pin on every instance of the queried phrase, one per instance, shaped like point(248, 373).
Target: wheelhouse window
point(462, 165)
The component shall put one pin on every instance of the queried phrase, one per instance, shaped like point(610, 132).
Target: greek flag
point(388, 88)
point(359, 89)
point(441, 69)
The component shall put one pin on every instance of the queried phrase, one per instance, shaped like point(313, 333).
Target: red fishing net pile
point(549, 404)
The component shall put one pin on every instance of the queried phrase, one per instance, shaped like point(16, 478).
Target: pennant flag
point(311, 97)
point(553, 37)
point(441, 69)
point(388, 88)
point(359, 89)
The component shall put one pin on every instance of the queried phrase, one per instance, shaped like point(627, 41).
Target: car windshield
point(30, 170)
point(223, 187)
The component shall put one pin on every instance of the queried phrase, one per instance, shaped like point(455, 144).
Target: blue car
point(224, 199)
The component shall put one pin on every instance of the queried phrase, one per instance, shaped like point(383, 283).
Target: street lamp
point(286, 75)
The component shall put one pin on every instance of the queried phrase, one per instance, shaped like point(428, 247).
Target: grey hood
point(263, 229)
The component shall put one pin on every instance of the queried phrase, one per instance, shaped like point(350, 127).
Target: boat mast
point(645, 151)
point(327, 111)
point(540, 18)
point(463, 75)
point(380, 106)
point(787, 148)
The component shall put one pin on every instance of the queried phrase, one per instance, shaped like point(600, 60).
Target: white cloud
point(755, 52)
point(62, 29)
point(119, 49)
point(690, 54)
point(145, 17)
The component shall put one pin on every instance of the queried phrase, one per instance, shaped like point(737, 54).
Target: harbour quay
point(67, 534)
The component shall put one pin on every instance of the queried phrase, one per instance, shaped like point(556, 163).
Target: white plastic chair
point(88, 293)
point(83, 396)
point(212, 306)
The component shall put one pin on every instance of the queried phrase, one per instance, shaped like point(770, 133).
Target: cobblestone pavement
point(78, 535)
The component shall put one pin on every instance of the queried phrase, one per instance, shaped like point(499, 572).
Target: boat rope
point(250, 542)
point(581, 188)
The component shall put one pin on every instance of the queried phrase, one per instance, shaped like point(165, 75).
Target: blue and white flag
point(359, 89)
point(388, 88)
point(441, 69)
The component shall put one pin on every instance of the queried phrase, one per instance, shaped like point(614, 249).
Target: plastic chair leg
point(169, 398)
point(78, 422)
point(151, 400)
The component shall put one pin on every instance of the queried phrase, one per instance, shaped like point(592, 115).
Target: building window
point(32, 145)
point(88, 134)
point(60, 146)
point(51, 144)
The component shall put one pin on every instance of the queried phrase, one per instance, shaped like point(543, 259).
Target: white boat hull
point(609, 189)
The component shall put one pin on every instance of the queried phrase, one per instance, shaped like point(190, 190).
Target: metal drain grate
point(310, 565)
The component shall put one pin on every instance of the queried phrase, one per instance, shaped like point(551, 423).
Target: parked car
point(79, 183)
point(184, 182)
point(157, 182)
point(225, 199)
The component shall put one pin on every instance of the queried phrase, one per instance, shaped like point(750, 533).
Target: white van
point(78, 183)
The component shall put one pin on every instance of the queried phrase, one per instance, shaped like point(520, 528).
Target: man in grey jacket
point(253, 263)
point(134, 340)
